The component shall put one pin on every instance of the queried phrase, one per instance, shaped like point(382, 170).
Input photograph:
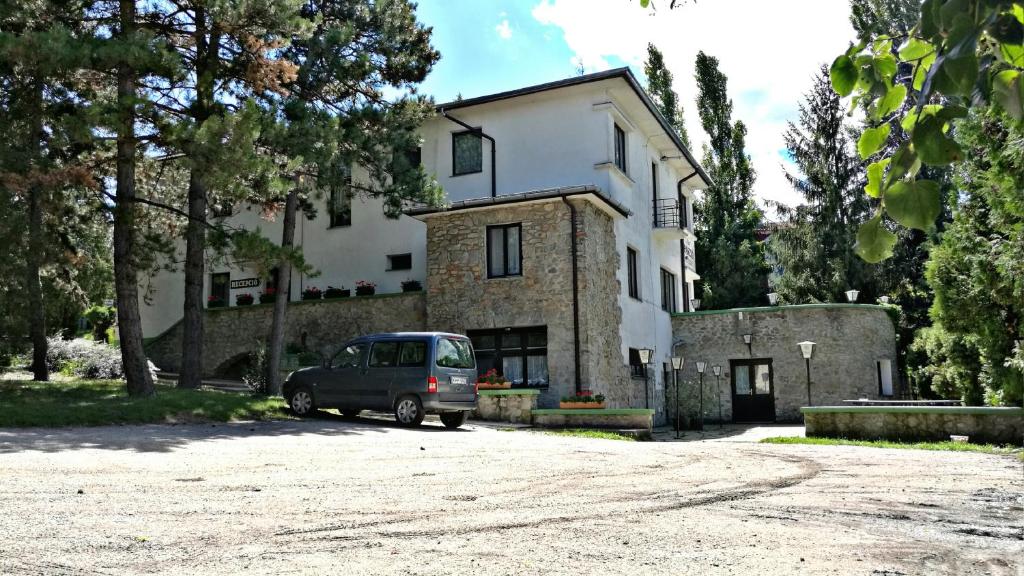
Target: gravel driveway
point(365, 497)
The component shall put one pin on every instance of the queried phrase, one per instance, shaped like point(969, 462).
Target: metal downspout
point(575, 293)
point(481, 133)
point(682, 244)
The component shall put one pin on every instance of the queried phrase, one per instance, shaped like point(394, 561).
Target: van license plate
point(459, 381)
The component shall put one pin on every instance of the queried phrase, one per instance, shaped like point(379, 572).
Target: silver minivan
point(410, 373)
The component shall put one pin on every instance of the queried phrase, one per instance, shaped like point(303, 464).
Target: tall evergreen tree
point(814, 248)
point(730, 259)
point(659, 86)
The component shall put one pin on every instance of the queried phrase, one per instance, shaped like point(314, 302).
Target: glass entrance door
point(753, 390)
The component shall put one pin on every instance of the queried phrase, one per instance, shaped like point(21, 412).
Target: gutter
point(481, 133)
point(575, 293)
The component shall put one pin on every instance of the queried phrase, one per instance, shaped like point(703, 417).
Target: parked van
point(410, 373)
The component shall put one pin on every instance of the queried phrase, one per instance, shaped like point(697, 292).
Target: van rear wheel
point(409, 411)
point(453, 419)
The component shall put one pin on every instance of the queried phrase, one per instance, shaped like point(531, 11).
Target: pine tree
point(730, 259)
point(815, 247)
point(659, 86)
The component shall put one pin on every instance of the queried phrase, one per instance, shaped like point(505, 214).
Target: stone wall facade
point(982, 425)
point(849, 339)
point(506, 406)
point(320, 326)
point(461, 298)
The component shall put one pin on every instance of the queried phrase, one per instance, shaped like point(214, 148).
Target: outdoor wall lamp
point(717, 371)
point(677, 365)
point(645, 359)
point(807, 350)
point(695, 303)
point(851, 295)
point(701, 365)
point(748, 339)
point(773, 298)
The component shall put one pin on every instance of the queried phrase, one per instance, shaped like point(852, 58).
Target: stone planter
point(488, 386)
point(579, 405)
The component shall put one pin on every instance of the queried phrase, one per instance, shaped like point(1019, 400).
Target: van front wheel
point(409, 411)
point(453, 419)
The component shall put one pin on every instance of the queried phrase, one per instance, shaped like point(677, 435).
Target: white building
point(599, 130)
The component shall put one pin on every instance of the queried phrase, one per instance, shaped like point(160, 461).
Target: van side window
point(383, 354)
point(413, 354)
point(350, 356)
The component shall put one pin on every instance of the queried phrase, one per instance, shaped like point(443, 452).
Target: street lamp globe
point(700, 366)
point(806, 349)
point(645, 355)
point(883, 299)
point(695, 303)
point(851, 295)
point(773, 298)
point(677, 362)
point(716, 370)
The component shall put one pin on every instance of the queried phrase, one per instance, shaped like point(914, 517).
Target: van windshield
point(452, 353)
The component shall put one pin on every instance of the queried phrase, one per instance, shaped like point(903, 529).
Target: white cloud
point(769, 50)
point(504, 30)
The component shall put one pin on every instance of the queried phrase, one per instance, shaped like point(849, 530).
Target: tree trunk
point(276, 342)
point(36, 310)
point(195, 270)
point(207, 54)
point(136, 368)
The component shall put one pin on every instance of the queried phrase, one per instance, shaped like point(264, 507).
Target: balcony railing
point(669, 213)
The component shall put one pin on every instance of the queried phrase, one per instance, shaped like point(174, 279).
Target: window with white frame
point(620, 149)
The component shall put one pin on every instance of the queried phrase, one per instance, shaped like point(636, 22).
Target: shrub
point(255, 376)
point(86, 359)
point(268, 295)
point(101, 318)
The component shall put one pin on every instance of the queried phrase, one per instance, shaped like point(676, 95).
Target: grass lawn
point(949, 446)
point(98, 402)
point(584, 433)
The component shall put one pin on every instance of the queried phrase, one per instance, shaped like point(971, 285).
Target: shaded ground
point(365, 497)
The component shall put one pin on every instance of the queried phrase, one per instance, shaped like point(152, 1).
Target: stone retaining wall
point(321, 326)
point(506, 405)
point(610, 418)
point(926, 423)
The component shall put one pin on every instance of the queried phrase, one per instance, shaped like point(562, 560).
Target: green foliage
point(955, 54)
point(730, 259)
point(104, 402)
point(977, 272)
point(659, 86)
point(594, 434)
point(101, 318)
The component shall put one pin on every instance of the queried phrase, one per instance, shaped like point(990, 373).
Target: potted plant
point(583, 400)
point(244, 299)
point(268, 295)
point(215, 302)
point(311, 293)
point(491, 380)
point(333, 292)
point(364, 288)
point(411, 286)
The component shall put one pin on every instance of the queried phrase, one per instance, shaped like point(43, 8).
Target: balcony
point(670, 216)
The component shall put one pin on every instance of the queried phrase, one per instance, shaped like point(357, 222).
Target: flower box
point(412, 286)
point(268, 298)
point(332, 292)
point(311, 293)
point(216, 304)
point(580, 405)
point(364, 288)
point(493, 385)
point(244, 300)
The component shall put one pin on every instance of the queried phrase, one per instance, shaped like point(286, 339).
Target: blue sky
point(768, 53)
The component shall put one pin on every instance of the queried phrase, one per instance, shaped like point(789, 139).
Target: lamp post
point(700, 370)
point(851, 295)
point(645, 359)
point(773, 298)
point(748, 339)
point(807, 350)
point(677, 365)
point(717, 370)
